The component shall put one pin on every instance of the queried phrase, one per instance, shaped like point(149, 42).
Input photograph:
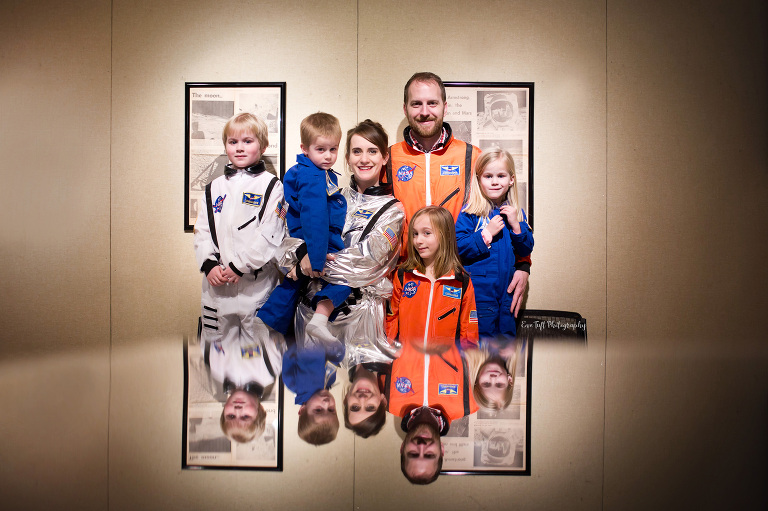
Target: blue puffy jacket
point(492, 268)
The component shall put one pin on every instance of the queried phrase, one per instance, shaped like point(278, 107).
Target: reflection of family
point(446, 212)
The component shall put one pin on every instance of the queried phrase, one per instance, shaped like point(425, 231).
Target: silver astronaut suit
point(372, 235)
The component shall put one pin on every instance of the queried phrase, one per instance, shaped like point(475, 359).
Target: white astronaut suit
point(247, 231)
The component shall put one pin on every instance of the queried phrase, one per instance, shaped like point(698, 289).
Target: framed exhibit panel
point(208, 106)
point(497, 114)
point(204, 444)
point(496, 441)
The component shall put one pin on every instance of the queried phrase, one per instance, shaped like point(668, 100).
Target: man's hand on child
point(518, 285)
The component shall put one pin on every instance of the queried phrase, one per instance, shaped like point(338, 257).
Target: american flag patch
point(282, 209)
point(473, 316)
point(391, 237)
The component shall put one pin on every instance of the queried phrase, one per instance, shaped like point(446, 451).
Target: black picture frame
point(208, 106)
point(496, 442)
point(203, 445)
point(488, 114)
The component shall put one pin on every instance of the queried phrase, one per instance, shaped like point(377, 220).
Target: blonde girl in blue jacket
point(491, 232)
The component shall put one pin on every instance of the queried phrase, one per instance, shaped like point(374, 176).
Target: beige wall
point(651, 175)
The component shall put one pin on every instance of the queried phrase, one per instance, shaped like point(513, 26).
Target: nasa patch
point(449, 170)
point(403, 385)
point(448, 389)
point(452, 292)
point(404, 173)
point(410, 289)
point(218, 204)
point(251, 199)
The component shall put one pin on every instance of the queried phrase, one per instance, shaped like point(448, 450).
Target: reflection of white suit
point(244, 360)
point(246, 235)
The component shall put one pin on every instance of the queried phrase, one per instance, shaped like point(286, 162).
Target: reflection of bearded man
point(421, 454)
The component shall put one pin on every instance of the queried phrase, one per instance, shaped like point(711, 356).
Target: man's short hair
point(317, 125)
point(247, 122)
point(424, 76)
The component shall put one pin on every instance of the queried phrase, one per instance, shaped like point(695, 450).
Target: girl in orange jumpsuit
point(432, 313)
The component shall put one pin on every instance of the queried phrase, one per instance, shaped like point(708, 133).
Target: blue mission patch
point(363, 213)
point(452, 292)
point(403, 385)
point(253, 351)
point(449, 170)
point(251, 199)
point(404, 173)
point(448, 389)
point(410, 289)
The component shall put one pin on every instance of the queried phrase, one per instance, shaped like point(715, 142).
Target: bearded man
point(431, 167)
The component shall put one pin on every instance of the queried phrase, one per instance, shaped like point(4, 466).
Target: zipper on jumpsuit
point(429, 181)
point(426, 332)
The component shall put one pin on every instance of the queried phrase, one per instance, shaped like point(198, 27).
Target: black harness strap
point(211, 223)
point(266, 198)
point(388, 168)
point(375, 218)
point(467, 172)
point(266, 360)
point(464, 279)
point(465, 382)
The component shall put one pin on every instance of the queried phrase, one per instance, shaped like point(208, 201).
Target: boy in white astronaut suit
point(236, 236)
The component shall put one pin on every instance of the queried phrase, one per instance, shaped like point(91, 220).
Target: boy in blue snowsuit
point(316, 214)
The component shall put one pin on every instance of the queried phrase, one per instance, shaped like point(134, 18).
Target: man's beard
point(422, 132)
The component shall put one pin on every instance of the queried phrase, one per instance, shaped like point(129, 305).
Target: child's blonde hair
point(319, 124)
point(244, 431)
point(479, 204)
point(247, 122)
point(477, 359)
point(447, 257)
